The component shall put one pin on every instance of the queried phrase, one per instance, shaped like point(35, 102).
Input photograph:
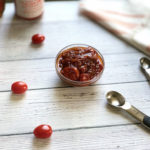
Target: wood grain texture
point(41, 73)
point(108, 138)
point(80, 117)
point(61, 27)
point(68, 107)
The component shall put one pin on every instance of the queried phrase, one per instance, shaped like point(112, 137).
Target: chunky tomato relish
point(80, 63)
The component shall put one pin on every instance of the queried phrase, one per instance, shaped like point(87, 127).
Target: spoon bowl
point(145, 63)
point(115, 99)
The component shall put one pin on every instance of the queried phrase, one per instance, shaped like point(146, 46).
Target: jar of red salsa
point(79, 64)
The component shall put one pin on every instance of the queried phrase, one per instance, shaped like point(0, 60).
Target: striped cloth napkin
point(121, 18)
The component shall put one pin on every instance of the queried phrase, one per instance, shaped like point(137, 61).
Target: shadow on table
point(39, 144)
point(15, 31)
point(61, 84)
point(76, 98)
point(16, 97)
point(37, 46)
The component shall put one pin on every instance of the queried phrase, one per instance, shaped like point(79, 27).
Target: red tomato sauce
point(80, 63)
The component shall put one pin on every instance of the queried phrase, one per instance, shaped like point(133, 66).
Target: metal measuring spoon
point(145, 65)
point(117, 100)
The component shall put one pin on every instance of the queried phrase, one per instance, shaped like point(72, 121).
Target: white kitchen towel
point(121, 18)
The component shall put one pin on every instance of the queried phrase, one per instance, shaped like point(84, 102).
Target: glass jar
point(29, 9)
point(78, 83)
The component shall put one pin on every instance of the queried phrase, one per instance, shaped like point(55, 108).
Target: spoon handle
point(144, 119)
point(147, 72)
point(136, 113)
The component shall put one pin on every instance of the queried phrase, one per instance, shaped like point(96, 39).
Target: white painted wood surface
point(65, 108)
point(80, 117)
point(123, 137)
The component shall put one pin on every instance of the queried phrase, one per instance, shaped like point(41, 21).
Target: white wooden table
point(80, 117)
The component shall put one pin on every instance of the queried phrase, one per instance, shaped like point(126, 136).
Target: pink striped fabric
point(120, 18)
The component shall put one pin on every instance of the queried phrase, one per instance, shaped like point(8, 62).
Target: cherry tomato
point(38, 38)
point(19, 87)
point(71, 73)
point(84, 77)
point(43, 131)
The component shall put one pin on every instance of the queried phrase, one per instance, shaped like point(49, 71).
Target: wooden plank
point(108, 138)
point(41, 73)
point(61, 21)
point(68, 107)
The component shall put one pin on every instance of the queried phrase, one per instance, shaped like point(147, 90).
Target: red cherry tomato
point(19, 87)
point(84, 77)
point(38, 38)
point(71, 73)
point(43, 131)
